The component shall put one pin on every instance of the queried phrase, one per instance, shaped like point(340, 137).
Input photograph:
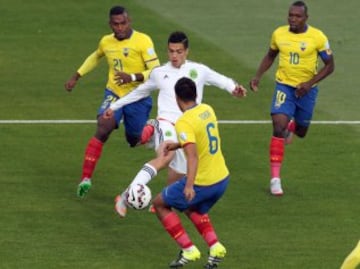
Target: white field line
point(340, 122)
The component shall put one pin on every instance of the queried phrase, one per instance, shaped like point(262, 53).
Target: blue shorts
point(285, 102)
point(205, 196)
point(134, 115)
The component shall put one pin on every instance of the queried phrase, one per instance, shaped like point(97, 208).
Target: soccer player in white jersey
point(163, 78)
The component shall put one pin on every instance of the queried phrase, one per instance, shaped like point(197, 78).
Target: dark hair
point(117, 10)
point(300, 4)
point(185, 89)
point(179, 37)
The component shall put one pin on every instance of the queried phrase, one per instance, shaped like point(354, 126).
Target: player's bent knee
point(133, 141)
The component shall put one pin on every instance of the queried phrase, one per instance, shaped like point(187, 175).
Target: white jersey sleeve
point(216, 79)
point(141, 91)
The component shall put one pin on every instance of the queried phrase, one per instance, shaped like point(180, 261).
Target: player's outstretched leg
point(92, 155)
point(186, 256)
point(216, 255)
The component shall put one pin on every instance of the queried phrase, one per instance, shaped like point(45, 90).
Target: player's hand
point(122, 78)
point(302, 89)
point(169, 146)
point(239, 91)
point(108, 114)
point(189, 193)
point(254, 84)
point(70, 84)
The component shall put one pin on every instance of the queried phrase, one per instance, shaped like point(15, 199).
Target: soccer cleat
point(275, 187)
point(216, 255)
point(120, 204)
point(83, 187)
point(186, 256)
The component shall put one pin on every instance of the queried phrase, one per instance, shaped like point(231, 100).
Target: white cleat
point(120, 205)
point(275, 187)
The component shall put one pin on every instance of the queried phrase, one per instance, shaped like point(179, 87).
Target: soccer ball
point(138, 196)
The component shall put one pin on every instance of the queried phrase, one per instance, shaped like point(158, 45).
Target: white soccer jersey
point(164, 78)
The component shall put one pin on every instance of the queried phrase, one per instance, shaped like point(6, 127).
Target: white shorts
point(167, 132)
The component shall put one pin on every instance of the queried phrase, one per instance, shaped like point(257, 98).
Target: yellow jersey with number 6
point(199, 125)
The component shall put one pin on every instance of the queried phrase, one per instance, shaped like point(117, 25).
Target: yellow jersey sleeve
point(199, 126)
point(90, 63)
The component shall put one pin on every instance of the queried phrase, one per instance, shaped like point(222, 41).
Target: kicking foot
point(120, 204)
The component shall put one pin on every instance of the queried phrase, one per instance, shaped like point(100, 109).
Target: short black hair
point(117, 10)
point(185, 89)
point(179, 37)
point(301, 4)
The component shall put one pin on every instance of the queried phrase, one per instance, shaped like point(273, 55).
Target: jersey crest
point(303, 46)
point(193, 74)
point(126, 52)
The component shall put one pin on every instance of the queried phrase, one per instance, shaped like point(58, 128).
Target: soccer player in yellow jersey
point(353, 259)
point(205, 181)
point(131, 56)
point(299, 46)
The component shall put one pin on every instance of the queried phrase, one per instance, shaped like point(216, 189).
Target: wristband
point(133, 77)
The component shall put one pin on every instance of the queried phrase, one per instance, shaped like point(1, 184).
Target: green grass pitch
point(44, 225)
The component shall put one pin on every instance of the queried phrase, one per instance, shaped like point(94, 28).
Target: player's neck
point(126, 37)
point(189, 105)
point(299, 30)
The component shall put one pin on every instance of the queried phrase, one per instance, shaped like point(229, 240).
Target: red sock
point(92, 155)
point(204, 227)
point(291, 126)
point(146, 134)
point(276, 155)
point(173, 226)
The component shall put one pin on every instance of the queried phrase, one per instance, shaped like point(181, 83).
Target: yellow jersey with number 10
point(298, 54)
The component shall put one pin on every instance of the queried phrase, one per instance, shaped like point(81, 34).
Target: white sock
point(146, 173)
